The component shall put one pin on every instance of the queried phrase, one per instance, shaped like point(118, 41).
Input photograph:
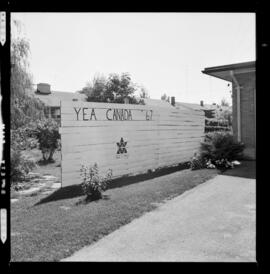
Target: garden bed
point(42, 176)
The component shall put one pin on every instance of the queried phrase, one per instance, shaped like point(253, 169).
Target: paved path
point(214, 221)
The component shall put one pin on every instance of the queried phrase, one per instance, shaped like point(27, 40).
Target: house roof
point(189, 105)
point(53, 99)
point(162, 103)
point(224, 72)
point(156, 102)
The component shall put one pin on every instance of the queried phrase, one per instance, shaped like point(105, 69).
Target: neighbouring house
point(217, 117)
point(210, 110)
point(243, 78)
point(52, 99)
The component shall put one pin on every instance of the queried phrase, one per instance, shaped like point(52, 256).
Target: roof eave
point(223, 72)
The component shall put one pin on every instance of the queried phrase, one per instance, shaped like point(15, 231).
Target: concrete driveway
point(214, 221)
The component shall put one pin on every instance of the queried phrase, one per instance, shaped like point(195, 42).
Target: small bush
point(22, 138)
point(223, 164)
point(92, 183)
point(219, 150)
point(197, 162)
point(221, 145)
point(47, 134)
point(19, 166)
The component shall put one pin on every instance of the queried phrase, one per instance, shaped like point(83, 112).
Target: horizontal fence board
point(99, 136)
point(153, 137)
point(109, 164)
point(138, 130)
point(105, 150)
point(74, 144)
point(120, 169)
point(143, 164)
point(72, 178)
point(109, 158)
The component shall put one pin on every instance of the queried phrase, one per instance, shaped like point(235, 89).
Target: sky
point(164, 52)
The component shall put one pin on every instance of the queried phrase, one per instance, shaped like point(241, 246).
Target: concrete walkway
point(214, 221)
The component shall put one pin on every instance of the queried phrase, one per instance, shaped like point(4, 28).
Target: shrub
point(19, 166)
point(22, 138)
point(92, 183)
point(221, 145)
point(218, 150)
point(223, 164)
point(47, 133)
point(197, 162)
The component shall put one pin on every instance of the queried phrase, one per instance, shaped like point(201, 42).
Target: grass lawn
point(49, 228)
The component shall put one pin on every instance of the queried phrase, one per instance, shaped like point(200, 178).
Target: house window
point(55, 112)
point(47, 112)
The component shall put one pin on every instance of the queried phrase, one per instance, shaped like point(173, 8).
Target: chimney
point(173, 101)
point(201, 103)
point(43, 88)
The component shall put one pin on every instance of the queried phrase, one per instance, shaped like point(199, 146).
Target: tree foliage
point(144, 93)
point(47, 134)
point(96, 90)
point(115, 89)
point(224, 102)
point(24, 107)
point(164, 97)
point(226, 115)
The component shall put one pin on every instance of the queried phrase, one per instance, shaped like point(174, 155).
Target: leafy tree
point(121, 87)
point(226, 115)
point(144, 93)
point(97, 91)
point(113, 89)
point(163, 97)
point(24, 107)
point(166, 98)
point(224, 102)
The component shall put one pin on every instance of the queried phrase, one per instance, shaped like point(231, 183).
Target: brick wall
point(248, 112)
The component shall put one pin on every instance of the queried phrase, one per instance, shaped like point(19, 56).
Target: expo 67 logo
point(121, 146)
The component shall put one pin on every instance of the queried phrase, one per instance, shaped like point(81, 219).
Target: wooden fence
point(128, 139)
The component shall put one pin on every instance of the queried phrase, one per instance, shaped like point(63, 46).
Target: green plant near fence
point(47, 134)
point(20, 166)
point(221, 145)
point(218, 150)
point(93, 184)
